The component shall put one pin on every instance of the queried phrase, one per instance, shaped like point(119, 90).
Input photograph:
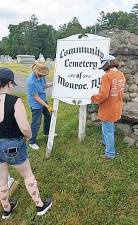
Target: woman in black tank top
point(14, 131)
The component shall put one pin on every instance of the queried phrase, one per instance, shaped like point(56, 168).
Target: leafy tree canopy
point(29, 37)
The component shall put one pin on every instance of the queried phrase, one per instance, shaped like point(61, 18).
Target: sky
point(57, 12)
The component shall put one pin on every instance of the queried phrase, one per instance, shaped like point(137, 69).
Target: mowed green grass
point(24, 70)
point(19, 69)
point(85, 189)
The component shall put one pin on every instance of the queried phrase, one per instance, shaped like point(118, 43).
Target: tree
point(15, 43)
point(29, 37)
point(135, 10)
point(120, 20)
point(73, 27)
point(23, 38)
point(123, 20)
point(32, 39)
point(102, 20)
point(134, 19)
point(47, 40)
point(4, 46)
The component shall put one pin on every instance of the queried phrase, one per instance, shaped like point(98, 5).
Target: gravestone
point(2, 58)
point(26, 59)
point(41, 58)
point(50, 63)
point(5, 58)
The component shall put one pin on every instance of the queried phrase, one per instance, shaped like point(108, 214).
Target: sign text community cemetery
point(77, 76)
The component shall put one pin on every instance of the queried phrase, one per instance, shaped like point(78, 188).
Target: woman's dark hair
point(113, 63)
point(3, 82)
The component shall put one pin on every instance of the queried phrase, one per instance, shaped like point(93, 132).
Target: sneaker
point(10, 181)
point(34, 146)
point(6, 215)
point(42, 210)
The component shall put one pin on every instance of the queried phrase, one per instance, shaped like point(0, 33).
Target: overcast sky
point(57, 12)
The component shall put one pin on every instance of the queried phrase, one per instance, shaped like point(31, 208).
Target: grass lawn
point(86, 190)
point(21, 69)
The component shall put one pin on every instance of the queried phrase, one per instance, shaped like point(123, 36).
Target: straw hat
point(40, 69)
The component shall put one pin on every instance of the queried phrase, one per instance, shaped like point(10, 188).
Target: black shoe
point(6, 214)
point(42, 210)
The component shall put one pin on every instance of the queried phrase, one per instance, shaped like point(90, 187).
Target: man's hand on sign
point(49, 84)
point(93, 97)
point(50, 109)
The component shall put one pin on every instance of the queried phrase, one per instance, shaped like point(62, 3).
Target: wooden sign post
point(82, 122)
point(52, 129)
point(77, 76)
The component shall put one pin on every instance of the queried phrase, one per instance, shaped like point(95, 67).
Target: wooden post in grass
point(52, 129)
point(82, 122)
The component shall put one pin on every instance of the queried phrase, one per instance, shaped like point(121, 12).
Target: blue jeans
point(13, 151)
point(36, 122)
point(108, 138)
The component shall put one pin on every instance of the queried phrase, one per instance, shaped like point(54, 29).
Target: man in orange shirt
point(110, 101)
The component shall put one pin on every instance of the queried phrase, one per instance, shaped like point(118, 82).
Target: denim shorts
point(13, 158)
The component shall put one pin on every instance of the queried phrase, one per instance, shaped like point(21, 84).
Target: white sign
point(77, 76)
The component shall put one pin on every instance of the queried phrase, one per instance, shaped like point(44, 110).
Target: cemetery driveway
point(21, 88)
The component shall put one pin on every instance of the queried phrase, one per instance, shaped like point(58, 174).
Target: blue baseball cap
point(7, 74)
point(105, 60)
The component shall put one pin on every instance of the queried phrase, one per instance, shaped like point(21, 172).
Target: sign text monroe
point(77, 62)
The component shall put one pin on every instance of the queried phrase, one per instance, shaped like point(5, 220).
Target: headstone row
point(26, 59)
point(5, 58)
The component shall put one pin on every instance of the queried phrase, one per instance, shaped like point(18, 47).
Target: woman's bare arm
point(21, 118)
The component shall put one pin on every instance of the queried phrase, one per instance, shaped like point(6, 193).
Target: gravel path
point(21, 88)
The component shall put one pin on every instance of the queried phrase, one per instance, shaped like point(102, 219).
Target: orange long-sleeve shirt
point(110, 97)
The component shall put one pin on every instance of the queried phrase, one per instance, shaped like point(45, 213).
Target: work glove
point(50, 109)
